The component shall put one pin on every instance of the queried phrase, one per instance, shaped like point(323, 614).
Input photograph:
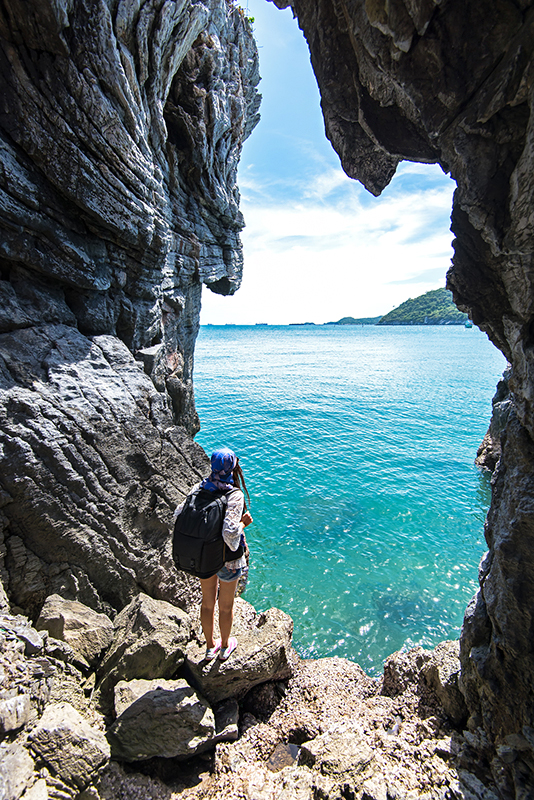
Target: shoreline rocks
point(272, 724)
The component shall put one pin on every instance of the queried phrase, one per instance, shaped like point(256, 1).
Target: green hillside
point(433, 308)
point(353, 321)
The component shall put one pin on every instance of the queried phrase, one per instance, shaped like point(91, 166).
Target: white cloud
point(319, 260)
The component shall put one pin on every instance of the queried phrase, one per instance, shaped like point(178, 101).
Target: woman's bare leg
point(207, 609)
point(226, 609)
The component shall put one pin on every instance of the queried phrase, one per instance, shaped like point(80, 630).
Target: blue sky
point(317, 246)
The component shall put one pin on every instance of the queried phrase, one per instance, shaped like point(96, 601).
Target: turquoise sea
point(357, 444)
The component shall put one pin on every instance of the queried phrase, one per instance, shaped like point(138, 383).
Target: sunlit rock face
point(451, 83)
point(121, 126)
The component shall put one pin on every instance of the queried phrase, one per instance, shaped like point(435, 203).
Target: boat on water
point(468, 323)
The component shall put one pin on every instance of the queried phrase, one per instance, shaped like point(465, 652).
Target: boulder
point(150, 638)
point(19, 627)
point(38, 791)
point(159, 718)
point(16, 770)
point(263, 653)
point(14, 712)
point(340, 753)
point(69, 745)
point(85, 630)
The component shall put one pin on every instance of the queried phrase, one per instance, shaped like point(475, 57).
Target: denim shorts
point(228, 575)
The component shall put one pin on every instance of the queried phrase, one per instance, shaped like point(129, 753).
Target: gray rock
point(107, 239)
point(441, 674)
point(4, 601)
point(86, 631)
point(14, 712)
point(16, 770)
point(149, 641)
point(375, 789)
point(226, 721)
point(20, 627)
point(489, 452)
point(38, 791)
point(263, 654)
point(61, 651)
point(404, 671)
point(69, 745)
point(159, 718)
point(340, 753)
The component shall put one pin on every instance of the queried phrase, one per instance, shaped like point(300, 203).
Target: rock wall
point(450, 82)
point(121, 126)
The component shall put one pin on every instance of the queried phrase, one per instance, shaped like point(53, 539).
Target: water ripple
point(358, 448)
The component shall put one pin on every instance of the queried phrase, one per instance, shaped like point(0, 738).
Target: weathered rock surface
point(442, 673)
point(68, 744)
point(121, 126)
point(329, 731)
point(167, 719)
point(85, 630)
point(16, 770)
point(349, 739)
point(451, 83)
point(489, 452)
point(263, 653)
point(150, 639)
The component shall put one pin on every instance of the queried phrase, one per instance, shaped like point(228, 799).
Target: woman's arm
point(232, 525)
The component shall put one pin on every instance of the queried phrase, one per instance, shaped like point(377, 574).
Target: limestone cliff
point(450, 82)
point(121, 126)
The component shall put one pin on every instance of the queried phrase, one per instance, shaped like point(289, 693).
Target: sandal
point(226, 652)
point(211, 652)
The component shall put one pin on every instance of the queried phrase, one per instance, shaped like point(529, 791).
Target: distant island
point(353, 321)
point(433, 308)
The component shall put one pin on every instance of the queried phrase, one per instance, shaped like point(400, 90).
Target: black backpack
point(198, 546)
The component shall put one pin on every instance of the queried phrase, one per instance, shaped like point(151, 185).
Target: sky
point(317, 246)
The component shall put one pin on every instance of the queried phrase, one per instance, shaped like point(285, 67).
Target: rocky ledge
point(96, 709)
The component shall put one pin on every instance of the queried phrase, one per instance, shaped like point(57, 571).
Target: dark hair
point(239, 482)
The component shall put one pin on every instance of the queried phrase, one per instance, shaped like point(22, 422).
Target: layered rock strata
point(121, 126)
point(451, 83)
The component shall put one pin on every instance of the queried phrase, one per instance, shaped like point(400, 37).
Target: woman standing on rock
point(226, 476)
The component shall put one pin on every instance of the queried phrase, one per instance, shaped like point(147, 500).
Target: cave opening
point(372, 496)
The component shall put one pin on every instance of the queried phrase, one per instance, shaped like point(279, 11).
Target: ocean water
point(357, 444)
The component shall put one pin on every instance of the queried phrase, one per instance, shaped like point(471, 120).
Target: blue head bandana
point(223, 462)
